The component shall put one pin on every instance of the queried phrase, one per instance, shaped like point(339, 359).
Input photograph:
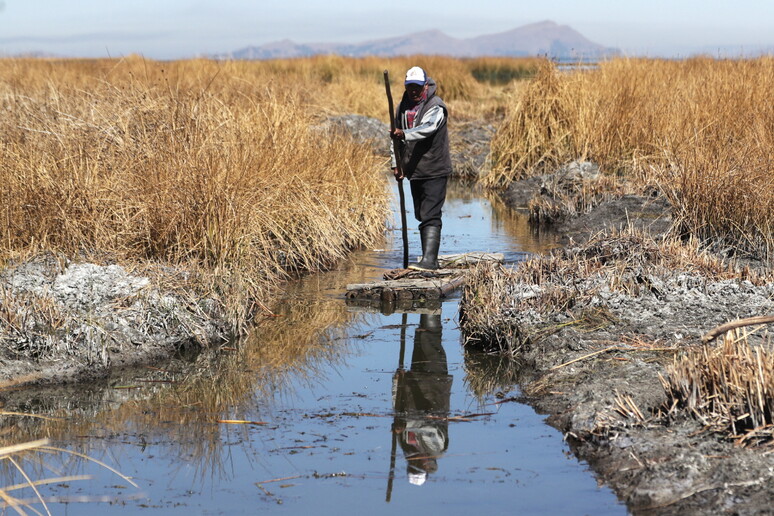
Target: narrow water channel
point(325, 409)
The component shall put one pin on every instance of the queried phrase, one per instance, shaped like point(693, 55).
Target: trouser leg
point(429, 196)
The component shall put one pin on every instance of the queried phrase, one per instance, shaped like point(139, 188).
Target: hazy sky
point(164, 29)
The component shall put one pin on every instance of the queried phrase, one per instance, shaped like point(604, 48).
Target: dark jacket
point(429, 157)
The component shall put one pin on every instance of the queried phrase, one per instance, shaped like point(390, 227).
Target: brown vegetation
point(701, 129)
point(473, 88)
point(210, 167)
point(215, 167)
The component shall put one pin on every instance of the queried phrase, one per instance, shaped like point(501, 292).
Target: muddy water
point(324, 409)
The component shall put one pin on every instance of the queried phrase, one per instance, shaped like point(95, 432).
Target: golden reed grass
point(473, 88)
point(213, 166)
point(701, 129)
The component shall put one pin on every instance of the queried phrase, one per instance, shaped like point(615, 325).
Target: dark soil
point(657, 465)
point(648, 211)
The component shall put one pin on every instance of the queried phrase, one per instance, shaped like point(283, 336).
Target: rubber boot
point(431, 241)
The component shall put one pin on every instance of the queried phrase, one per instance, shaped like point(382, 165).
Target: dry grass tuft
point(486, 309)
point(729, 388)
point(22, 458)
point(535, 133)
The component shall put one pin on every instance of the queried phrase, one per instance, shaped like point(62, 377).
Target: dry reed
point(212, 167)
point(473, 88)
point(701, 129)
point(23, 458)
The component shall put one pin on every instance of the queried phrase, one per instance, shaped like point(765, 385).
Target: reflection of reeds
point(697, 128)
point(489, 373)
point(728, 387)
point(300, 340)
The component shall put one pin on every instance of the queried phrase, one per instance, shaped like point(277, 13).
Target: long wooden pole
point(396, 147)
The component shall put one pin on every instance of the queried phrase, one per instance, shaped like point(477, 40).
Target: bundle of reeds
point(536, 132)
point(729, 388)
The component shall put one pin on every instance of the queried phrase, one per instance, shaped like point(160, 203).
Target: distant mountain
point(544, 38)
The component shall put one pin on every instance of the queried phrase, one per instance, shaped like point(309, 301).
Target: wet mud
point(594, 369)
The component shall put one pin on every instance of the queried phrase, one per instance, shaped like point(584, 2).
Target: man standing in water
point(421, 133)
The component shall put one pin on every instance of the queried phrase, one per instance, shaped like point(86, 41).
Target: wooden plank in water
point(405, 294)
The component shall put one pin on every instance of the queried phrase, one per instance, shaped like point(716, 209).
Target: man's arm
point(429, 124)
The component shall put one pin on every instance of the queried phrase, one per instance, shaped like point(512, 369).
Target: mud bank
point(584, 205)
point(66, 321)
point(592, 364)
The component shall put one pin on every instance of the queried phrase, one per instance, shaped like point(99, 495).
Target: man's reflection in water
point(421, 398)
